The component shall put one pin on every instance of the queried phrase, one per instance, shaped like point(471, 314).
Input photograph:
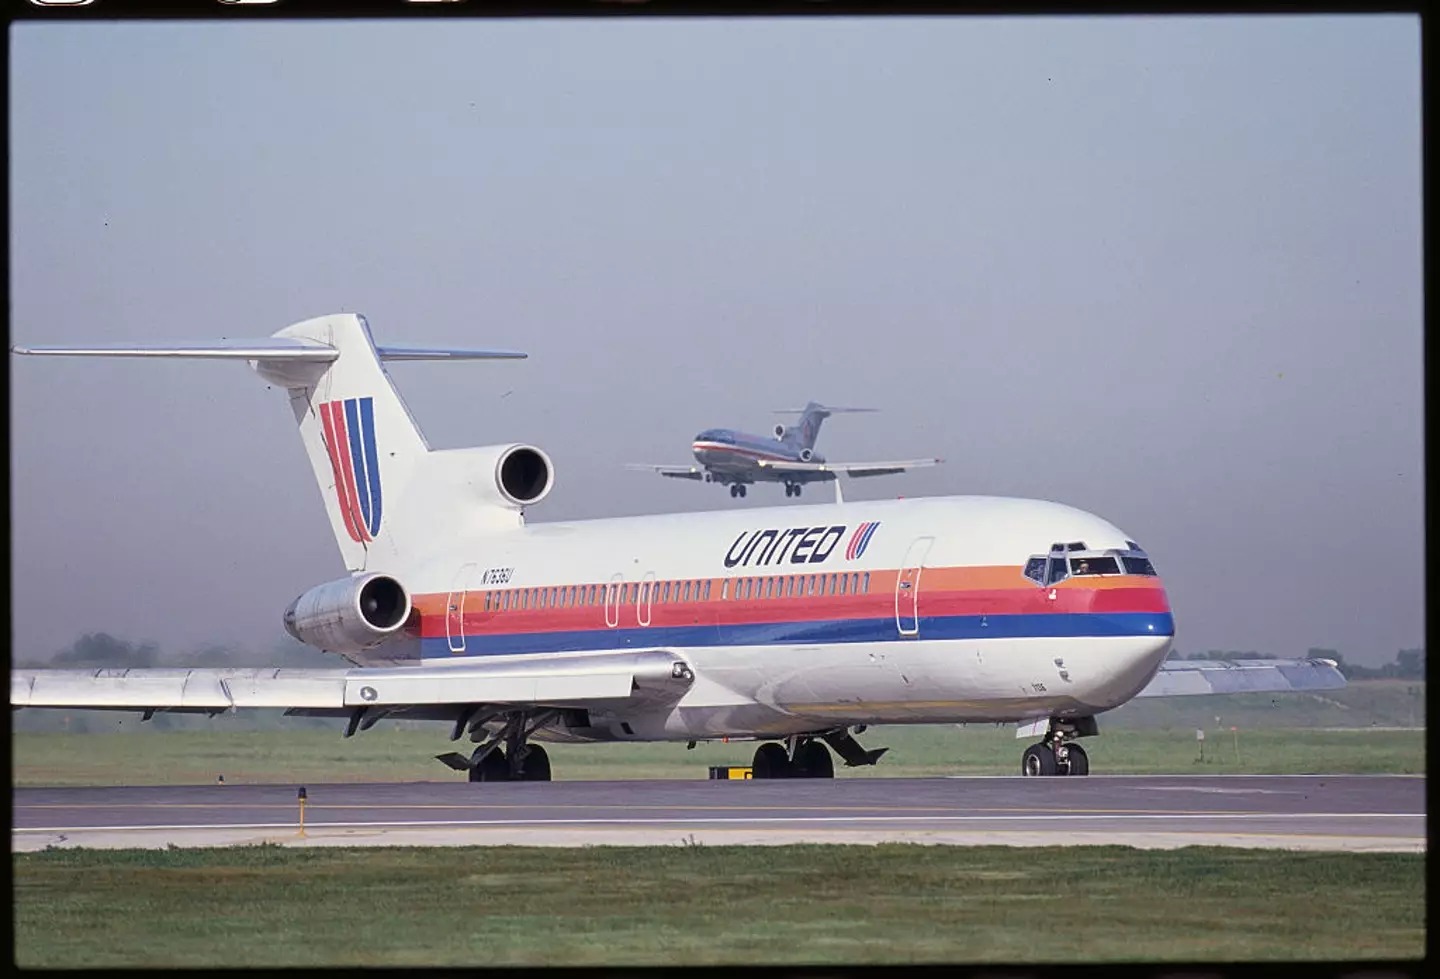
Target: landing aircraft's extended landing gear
point(1054, 755)
point(805, 756)
point(792, 489)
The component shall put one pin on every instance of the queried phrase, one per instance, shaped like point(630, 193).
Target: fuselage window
point(687, 591)
point(706, 596)
point(829, 584)
point(842, 583)
point(865, 583)
point(1138, 565)
point(810, 589)
point(594, 593)
point(1057, 570)
point(1093, 566)
point(725, 590)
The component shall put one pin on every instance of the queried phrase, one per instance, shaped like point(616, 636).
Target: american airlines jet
point(727, 456)
point(793, 627)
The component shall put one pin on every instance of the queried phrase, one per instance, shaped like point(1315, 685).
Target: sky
point(1167, 270)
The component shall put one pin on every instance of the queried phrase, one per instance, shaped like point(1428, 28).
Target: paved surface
point(1321, 812)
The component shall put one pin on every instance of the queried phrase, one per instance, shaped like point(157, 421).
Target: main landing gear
point(805, 756)
point(737, 489)
point(792, 489)
point(1054, 755)
point(506, 757)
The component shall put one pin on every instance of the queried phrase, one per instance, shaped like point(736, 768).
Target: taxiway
point(1322, 812)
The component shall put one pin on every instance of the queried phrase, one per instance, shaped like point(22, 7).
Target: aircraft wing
point(1180, 678)
point(848, 468)
point(677, 472)
point(577, 679)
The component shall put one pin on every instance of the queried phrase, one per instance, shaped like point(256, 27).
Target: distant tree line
point(1408, 664)
point(100, 649)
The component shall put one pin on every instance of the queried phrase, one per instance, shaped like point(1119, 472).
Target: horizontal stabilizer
point(265, 348)
point(284, 349)
point(1181, 678)
point(446, 353)
point(825, 408)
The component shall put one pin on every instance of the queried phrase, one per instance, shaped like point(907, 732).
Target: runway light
point(219, 779)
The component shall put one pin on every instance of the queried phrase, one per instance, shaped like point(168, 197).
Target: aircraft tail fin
point(807, 430)
point(364, 446)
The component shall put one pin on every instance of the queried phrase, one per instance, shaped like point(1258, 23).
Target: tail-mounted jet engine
point(806, 455)
point(350, 615)
point(780, 432)
point(513, 476)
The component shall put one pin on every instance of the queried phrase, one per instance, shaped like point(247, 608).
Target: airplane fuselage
point(799, 618)
point(731, 455)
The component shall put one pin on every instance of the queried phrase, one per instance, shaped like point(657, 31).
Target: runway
point(1311, 812)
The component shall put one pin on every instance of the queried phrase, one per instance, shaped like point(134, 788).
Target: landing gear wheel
point(741, 488)
point(536, 765)
point(1039, 759)
point(770, 762)
point(812, 760)
point(734, 490)
point(1076, 761)
point(492, 768)
point(798, 488)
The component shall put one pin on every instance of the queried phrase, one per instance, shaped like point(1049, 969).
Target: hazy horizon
point(1167, 270)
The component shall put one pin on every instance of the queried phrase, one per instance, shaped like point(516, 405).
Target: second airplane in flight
point(738, 458)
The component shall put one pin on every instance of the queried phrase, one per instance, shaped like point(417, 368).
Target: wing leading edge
point(853, 469)
point(1182, 678)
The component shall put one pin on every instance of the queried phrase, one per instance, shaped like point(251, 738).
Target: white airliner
point(796, 627)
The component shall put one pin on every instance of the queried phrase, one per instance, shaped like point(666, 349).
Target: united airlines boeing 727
point(791, 627)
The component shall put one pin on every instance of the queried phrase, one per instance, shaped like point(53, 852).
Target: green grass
point(392, 755)
point(269, 906)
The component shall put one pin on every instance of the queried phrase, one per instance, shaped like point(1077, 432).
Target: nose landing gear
point(737, 489)
point(1054, 755)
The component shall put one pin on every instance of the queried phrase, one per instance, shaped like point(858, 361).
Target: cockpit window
point(1057, 570)
point(1094, 565)
point(1138, 565)
point(1035, 570)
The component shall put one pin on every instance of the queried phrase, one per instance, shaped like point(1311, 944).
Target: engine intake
point(524, 474)
point(350, 615)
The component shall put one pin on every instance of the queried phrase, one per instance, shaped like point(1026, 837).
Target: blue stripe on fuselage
point(1057, 625)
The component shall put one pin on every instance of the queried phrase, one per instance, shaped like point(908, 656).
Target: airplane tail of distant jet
point(804, 433)
point(380, 481)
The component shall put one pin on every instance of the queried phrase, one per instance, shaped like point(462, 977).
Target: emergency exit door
point(907, 586)
point(455, 609)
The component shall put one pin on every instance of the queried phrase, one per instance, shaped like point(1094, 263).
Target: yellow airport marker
point(301, 796)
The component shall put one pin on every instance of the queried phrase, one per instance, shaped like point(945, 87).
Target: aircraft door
point(644, 598)
point(907, 586)
point(455, 609)
point(612, 600)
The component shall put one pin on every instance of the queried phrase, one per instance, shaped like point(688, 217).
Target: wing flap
point(1187, 678)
